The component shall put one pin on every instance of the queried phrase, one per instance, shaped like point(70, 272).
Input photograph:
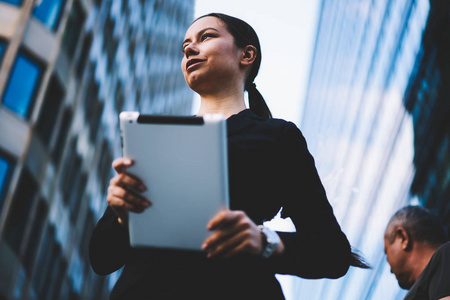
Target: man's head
point(410, 229)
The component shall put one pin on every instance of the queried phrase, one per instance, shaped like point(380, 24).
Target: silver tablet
point(183, 163)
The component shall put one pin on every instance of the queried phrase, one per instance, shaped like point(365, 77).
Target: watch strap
point(271, 241)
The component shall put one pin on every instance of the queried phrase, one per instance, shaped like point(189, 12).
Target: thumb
point(121, 164)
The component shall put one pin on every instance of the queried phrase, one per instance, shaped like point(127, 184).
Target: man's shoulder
point(440, 256)
point(441, 253)
point(444, 248)
point(432, 282)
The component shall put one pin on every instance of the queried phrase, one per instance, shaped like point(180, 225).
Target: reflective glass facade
point(48, 12)
point(359, 131)
point(4, 170)
point(427, 100)
point(61, 91)
point(2, 50)
point(20, 91)
point(14, 2)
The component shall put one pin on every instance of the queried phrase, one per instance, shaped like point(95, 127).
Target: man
point(417, 250)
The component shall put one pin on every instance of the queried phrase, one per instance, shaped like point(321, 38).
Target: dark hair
point(244, 35)
point(357, 260)
point(419, 223)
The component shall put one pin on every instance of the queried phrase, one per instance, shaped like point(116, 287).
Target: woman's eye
point(206, 36)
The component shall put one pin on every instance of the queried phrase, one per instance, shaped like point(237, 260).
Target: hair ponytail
point(245, 35)
point(356, 260)
point(257, 103)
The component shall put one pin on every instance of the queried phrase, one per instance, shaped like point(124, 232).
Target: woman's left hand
point(235, 233)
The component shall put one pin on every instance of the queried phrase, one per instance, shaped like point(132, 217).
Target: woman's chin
point(197, 84)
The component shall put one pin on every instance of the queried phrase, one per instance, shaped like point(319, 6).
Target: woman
point(269, 168)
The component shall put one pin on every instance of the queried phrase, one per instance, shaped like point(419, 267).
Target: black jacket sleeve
point(318, 248)
point(109, 244)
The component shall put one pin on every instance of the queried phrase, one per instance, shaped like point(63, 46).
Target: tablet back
point(183, 163)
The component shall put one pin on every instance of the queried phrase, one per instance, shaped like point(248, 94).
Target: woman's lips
point(192, 63)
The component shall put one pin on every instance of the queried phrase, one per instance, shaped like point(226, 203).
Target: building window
point(49, 12)
point(104, 165)
point(73, 180)
point(89, 225)
point(44, 260)
point(54, 277)
point(93, 108)
point(21, 89)
point(13, 2)
point(83, 58)
point(51, 266)
point(73, 29)
point(50, 110)
point(18, 216)
point(110, 43)
point(76, 196)
point(38, 222)
point(5, 170)
point(2, 50)
point(62, 136)
point(94, 123)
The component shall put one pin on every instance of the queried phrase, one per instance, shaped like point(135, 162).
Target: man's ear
point(249, 54)
point(405, 238)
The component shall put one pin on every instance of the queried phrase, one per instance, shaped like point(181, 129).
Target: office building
point(67, 68)
point(427, 100)
point(359, 131)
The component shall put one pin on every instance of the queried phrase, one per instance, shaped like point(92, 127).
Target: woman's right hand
point(123, 191)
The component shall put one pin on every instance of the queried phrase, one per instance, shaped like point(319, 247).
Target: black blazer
point(269, 168)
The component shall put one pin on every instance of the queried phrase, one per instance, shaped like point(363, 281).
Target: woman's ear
point(248, 55)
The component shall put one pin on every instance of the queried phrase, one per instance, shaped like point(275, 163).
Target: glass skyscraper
point(67, 68)
point(428, 101)
point(363, 137)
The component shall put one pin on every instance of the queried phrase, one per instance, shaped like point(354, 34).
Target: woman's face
point(211, 59)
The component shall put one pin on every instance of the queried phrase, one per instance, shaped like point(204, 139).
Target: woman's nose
point(190, 49)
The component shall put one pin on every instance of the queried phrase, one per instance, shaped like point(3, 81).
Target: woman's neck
point(225, 105)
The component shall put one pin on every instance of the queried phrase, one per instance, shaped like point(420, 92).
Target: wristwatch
point(271, 241)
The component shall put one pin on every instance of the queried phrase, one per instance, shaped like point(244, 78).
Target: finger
point(121, 207)
point(240, 243)
point(128, 196)
point(224, 247)
point(252, 244)
point(241, 248)
point(129, 181)
point(220, 236)
point(121, 164)
point(225, 218)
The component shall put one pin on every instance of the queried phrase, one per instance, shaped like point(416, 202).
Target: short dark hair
point(420, 223)
point(244, 35)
